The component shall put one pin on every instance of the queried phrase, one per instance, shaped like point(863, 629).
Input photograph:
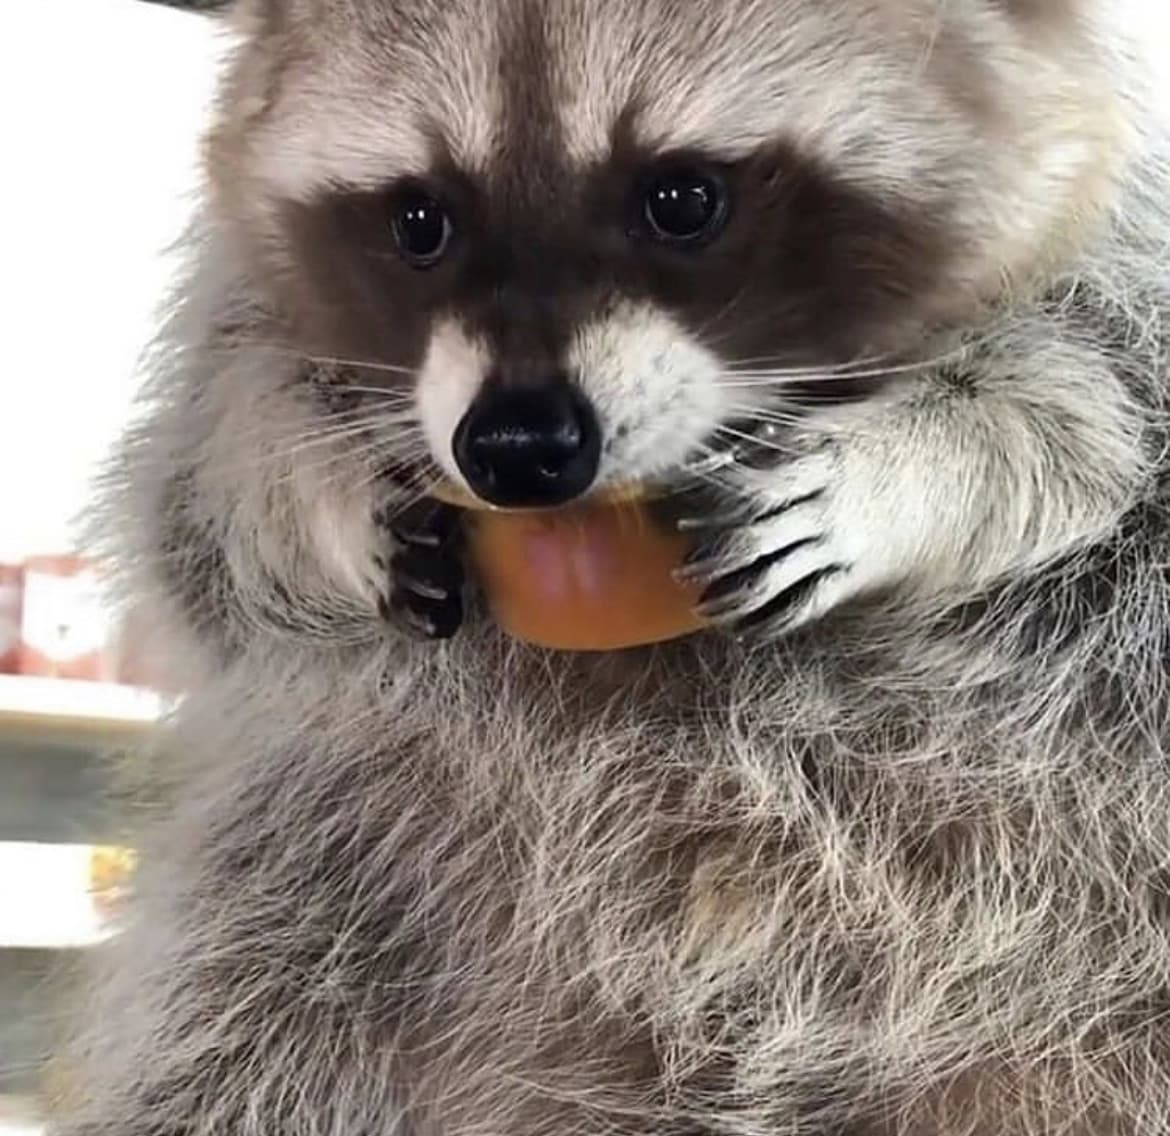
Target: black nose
point(529, 447)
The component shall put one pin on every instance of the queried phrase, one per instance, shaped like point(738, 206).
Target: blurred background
point(103, 102)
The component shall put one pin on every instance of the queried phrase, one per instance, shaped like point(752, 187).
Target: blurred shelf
point(55, 706)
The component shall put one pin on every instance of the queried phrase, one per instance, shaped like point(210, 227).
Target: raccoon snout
point(529, 447)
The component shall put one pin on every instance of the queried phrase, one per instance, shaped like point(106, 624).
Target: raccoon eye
point(422, 228)
point(683, 206)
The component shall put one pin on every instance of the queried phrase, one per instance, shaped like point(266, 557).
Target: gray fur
point(902, 870)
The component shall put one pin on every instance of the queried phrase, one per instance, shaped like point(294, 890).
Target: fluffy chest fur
point(491, 893)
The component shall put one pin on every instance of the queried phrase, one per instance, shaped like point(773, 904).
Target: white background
point(101, 106)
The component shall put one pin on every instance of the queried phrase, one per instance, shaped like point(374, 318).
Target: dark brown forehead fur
point(808, 268)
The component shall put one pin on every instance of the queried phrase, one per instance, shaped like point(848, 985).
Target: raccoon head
point(595, 236)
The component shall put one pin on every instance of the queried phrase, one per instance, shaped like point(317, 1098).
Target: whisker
point(285, 452)
point(425, 479)
point(324, 425)
point(864, 367)
point(772, 378)
point(768, 414)
point(334, 471)
point(337, 433)
point(712, 462)
point(770, 375)
point(310, 357)
point(418, 490)
point(722, 313)
point(855, 430)
point(385, 392)
point(363, 364)
point(755, 321)
point(753, 440)
point(762, 360)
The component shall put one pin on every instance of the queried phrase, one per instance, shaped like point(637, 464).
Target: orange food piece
point(588, 577)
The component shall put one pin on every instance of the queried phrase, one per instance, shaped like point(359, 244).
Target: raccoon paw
point(426, 578)
point(782, 552)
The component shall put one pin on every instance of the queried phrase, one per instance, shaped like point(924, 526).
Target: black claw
point(777, 612)
point(778, 510)
point(426, 571)
point(740, 513)
point(699, 504)
point(706, 558)
point(426, 524)
point(724, 587)
point(431, 619)
point(430, 573)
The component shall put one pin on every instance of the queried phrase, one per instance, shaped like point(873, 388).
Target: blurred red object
point(65, 629)
point(11, 586)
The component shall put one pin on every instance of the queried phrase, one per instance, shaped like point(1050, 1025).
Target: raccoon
point(878, 290)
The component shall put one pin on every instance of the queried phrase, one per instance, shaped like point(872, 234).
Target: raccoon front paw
point(426, 578)
point(782, 552)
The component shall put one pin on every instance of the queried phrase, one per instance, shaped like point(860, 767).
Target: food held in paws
point(588, 577)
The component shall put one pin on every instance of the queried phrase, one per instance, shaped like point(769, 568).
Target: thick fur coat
point(884, 853)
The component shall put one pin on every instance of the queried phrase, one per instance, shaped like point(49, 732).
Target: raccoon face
point(598, 236)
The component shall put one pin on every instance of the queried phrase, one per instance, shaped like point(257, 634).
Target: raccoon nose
point(525, 448)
